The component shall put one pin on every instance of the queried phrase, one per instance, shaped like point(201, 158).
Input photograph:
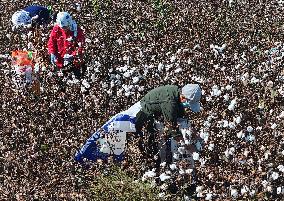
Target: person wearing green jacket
point(169, 103)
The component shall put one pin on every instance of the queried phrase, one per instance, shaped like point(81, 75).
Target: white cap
point(21, 18)
point(192, 93)
point(64, 19)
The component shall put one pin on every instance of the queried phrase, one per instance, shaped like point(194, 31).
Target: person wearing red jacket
point(66, 44)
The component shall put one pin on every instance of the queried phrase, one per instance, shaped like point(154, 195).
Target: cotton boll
point(161, 195)
point(281, 115)
point(229, 87)
point(24, 36)
point(161, 67)
point(127, 74)
point(181, 150)
point(206, 124)
point(60, 74)
point(275, 175)
point(164, 177)
point(238, 120)
point(279, 190)
point(232, 104)
point(119, 41)
point(141, 88)
point(211, 147)
point(173, 58)
point(246, 152)
point(202, 162)
point(176, 156)
point(252, 193)
point(250, 138)
point(273, 126)
point(93, 77)
point(226, 97)
point(181, 171)
point(215, 91)
point(208, 196)
point(225, 124)
point(199, 189)
point(232, 150)
point(127, 36)
point(178, 70)
point(149, 174)
point(195, 156)
point(234, 193)
point(249, 129)
point(173, 166)
point(163, 164)
point(269, 84)
point(204, 136)
point(266, 154)
point(227, 154)
point(164, 187)
point(198, 146)
point(269, 188)
point(188, 171)
point(232, 125)
point(244, 190)
point(254, 80)
point(135, 80)
point(219, 92)
point(264, 183)
point(280, 168)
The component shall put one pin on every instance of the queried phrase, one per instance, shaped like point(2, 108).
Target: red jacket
point(62, 42)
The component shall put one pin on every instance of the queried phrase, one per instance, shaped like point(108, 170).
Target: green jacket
point(163, 100)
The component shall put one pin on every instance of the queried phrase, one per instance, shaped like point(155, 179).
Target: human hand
point(53, 59)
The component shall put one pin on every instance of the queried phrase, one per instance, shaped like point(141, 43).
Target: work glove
point(53, 59)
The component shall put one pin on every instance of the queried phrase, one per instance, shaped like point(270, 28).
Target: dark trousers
point(151, 148)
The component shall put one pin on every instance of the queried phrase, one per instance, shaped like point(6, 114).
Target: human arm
point(52, 42)
point(80, 44)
